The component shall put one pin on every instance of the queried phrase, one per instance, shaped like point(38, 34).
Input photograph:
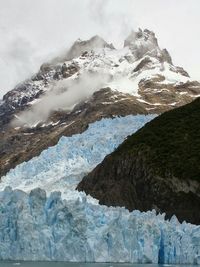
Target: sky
point(32, 32)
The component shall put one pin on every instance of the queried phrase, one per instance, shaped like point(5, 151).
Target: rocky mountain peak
point(142, 35)
point(144, 42)
point(81, 46)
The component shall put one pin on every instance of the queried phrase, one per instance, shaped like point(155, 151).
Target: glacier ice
point(62, 166)
point(55, 222)
point(36, 227)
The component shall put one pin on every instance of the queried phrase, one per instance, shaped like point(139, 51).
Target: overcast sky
point(34, 31)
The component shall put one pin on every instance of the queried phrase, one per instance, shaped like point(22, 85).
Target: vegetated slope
point(157, 167)
point(171, 142)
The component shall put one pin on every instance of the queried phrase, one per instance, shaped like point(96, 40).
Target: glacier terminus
point(56, 222)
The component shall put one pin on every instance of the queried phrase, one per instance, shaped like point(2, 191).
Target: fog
point(32, 32)
point(64, 95)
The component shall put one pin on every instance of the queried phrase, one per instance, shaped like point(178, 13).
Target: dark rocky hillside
point(157, 167)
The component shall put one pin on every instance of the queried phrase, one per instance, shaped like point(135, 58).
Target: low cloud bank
point(63, 96)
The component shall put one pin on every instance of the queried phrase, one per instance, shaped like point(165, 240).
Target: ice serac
point(36, 227)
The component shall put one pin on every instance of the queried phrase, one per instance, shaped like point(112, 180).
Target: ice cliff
point(36, 227)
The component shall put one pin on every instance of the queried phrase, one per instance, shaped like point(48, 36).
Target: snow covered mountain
point(139, 69)
point(91, 81)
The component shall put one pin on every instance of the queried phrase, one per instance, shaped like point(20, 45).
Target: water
point(69, 264)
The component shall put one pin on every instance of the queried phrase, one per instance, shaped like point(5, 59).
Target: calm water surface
point(68, 264)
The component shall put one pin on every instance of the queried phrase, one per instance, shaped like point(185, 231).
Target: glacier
point(61, 167)
point(43, 217)
point(36, 227)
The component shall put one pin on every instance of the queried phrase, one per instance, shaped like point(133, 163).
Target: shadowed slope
point(157, 167)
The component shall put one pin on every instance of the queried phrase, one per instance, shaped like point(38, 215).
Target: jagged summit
point(141, 43)
point(80, 46)
point(144, 42)
point(142, 35)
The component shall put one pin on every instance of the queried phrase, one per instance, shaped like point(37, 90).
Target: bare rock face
point(137, 79)
point(165, 56)
point(128, 181)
